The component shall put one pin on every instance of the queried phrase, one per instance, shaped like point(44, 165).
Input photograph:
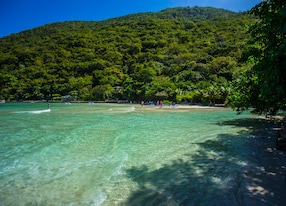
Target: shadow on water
point(234, 169)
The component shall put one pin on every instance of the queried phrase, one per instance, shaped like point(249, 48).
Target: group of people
point(157, 103)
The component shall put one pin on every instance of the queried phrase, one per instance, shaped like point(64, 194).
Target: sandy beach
point(175, 107)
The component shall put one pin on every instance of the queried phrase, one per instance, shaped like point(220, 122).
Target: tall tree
point(265, 81)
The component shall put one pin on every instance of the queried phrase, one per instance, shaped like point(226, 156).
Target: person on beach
point(142, 103)
point(161, 103)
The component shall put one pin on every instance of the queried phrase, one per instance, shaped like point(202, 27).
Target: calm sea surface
point(109, 154)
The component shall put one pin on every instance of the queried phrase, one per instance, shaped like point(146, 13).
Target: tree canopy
point(175, 54)
point(262, 86)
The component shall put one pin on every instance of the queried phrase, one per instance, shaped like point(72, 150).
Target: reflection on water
point(104, 154)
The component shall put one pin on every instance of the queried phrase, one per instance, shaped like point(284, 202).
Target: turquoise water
point(108, 154)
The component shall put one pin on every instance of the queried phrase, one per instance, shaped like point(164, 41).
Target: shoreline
point(176, 108)
point(136, 105)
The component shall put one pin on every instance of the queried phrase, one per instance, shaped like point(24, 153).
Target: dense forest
point(179, 54)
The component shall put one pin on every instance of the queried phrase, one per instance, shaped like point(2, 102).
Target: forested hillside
point(175, 54)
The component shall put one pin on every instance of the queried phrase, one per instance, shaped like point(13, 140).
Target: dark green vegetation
point(263, 86)
point(176, 54)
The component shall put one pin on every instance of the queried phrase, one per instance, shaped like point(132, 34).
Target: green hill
point(174, 54)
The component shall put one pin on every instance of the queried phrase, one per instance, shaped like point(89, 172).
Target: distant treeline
point(177, 54)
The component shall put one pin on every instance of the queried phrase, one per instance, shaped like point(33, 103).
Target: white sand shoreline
point(199, 107)
point(176, 107)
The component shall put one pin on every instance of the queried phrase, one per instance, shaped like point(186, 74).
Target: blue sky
point(20, 15)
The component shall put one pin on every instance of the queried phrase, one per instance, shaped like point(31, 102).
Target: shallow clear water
point(107, 154)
